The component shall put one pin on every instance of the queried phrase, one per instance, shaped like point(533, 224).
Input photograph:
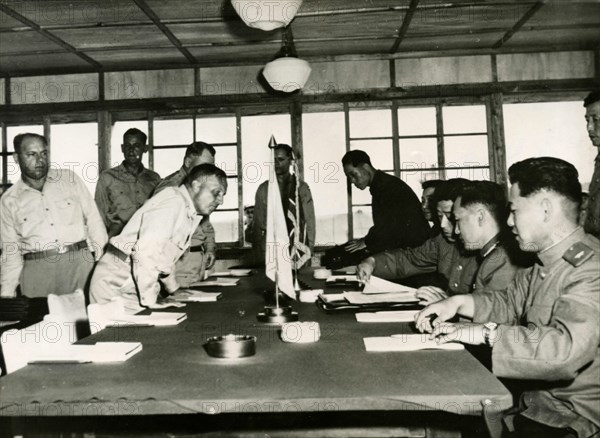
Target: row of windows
point(442, 142)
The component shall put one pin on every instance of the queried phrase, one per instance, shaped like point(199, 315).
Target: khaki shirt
point(155, 237)
point(498, 266)
point(119, 194)
point(592, 220)
point(549, 332)
point(205, 234)
point(436, 254)
point(31, 221)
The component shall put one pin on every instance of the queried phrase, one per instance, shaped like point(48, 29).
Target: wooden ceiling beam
point(165, 30)
point(69, 48)
point(405, 24)
point(530, 13)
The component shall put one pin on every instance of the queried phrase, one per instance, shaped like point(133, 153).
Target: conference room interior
point(459, 89)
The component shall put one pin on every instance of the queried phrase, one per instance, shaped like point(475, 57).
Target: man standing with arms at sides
point(592, 119)
point(200, 256)
point(544, 329)
point(398, 220)
point(49, 227)
point(287, 186)
point(123, 189)
point(143, 256)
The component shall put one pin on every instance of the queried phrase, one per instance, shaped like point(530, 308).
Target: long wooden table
point(174, 375)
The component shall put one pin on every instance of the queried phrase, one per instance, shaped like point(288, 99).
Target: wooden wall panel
point(2, 96)
point(347, 75)
point(539, 66)
point(434, 71)
point(54, 89)
point(149, 84)
point(231, 80)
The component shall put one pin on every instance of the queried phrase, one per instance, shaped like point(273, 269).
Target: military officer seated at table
point(441, 261)
point(50, 228)
point(544, 329)
point(190, 268)
point(480, 214)
point(143, 256)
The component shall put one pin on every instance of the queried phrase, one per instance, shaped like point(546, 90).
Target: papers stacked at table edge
point(199, 297)
point(98, 352)
point(154, 319)
point(408, 342)
point(387, 316)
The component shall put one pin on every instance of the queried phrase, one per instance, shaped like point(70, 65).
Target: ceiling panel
point(66, 13)
point(259, 53)
point(332, 48)
point(220, 33)
point(381, 24)
point(136, 59)
point(97, 38)
point(192, 10)
point(8, 22)
point(40, 64)
point(556, 14)
point(316, 6)
point(555, 38)
point(27, 41)
point(441, 43)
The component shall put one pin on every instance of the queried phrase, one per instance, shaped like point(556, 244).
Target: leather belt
point(55, 251)
point(113, 250)
point(197, 248)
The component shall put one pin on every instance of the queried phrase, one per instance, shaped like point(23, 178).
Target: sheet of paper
point(332, 298)
point(387, 316)
point(219, 281)
point(378, 285)
point(392, 297)
point(197, 297)
point(154, 319)
point(98, 352)
point(412, 342)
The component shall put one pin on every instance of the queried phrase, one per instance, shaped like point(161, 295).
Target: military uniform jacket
point(592, 220)
point(549, 332)
point(119, 194)
point(435, 254)
point(205, 233)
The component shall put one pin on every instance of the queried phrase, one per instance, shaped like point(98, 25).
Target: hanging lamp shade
point(266, 14)
point(287, 74)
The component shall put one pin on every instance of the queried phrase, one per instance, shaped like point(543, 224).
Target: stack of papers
point(197, 297)
point(378, 285)
point(99, 352)
point(154, 319)
point(331, 298)
point(387, 316)
point(219, 281)
point(391, 297)
point(233, 272)
point(407, 343)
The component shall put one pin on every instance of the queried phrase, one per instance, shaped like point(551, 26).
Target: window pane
point(363, 220)
point(226, 159)
point(418, 153)
point(416, 121)
point(552, 129)
point(324, 146)
point(380, 152)
point(471, 150)
point(256, 155)
point(415, 178)
point(173, 132)
point(226, 225)
point(464, 119)
point(371, 123)
point(361, 196)
point(167, 161)
point(74, 146)
point(231, 198)
point(12, 131)
point(13, 173)
point(119, 128)
point(216, 130)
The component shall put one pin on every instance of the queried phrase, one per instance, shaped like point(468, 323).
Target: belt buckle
point(62, 249)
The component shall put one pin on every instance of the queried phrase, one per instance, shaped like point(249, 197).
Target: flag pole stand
point(277, 315)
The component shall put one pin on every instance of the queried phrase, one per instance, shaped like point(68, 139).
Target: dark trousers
point(526, 428)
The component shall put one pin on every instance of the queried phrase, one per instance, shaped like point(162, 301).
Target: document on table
point(234, 272)
point(412, 342)
point(98, 352)
point(219, 281)
point(378, 285)
point(197, 297)
point(154, 319)
point(387, 316)
point(391, 297)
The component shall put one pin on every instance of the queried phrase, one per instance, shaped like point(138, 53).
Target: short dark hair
point(546, 173)
point(591, 98)
point(203, 171)
point(431, 184)
point(20, 138)
point(286, 148)
point(197, 147)
point(134, 132)
point(356, 158)
point(489, 194)
point(449, 190)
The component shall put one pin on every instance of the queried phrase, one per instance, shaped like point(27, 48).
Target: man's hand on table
point(463, 332)
point(442, 310)
point(365, 269)
point(355, 245)
point(430, 294)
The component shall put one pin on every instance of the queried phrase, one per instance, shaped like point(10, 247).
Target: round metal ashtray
point(231, 346)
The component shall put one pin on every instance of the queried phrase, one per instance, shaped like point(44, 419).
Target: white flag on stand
point(278, 263)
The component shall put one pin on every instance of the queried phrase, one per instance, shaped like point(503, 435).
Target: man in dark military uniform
point(592, 119)
point(544, 330)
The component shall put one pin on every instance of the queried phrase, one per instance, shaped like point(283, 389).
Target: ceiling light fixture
point(266, 14)
point(287, 72)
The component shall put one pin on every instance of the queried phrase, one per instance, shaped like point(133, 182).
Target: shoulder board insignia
point(578, 253)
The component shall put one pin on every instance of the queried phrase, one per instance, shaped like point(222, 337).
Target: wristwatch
point(489, 333)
